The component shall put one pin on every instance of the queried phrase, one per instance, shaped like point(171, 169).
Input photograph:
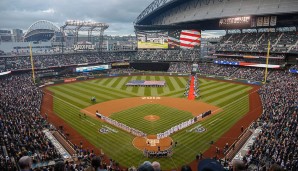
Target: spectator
point(210, 165)
point(59, 166)
point(186, 168)
point(156, 166)
point(25, 163)
point(146, 166)
point(95, 164)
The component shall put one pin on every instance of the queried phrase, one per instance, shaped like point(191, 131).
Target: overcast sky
point(119, 14)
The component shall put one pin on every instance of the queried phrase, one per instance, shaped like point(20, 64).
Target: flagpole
point(267, 60)
point(32, 64)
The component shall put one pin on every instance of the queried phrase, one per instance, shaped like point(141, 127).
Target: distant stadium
point(172, 97)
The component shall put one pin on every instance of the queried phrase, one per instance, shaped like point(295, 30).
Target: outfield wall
point(150, 66)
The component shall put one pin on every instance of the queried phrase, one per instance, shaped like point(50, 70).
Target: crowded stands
point(21, 123)
point(281, 42)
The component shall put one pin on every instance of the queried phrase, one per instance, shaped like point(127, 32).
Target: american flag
point(186, 39)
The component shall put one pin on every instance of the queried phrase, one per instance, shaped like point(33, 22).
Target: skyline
point(119, 14)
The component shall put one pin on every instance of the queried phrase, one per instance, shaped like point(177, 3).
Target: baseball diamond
point(228, 101)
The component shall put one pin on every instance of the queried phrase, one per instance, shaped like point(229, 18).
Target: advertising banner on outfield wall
point(247, 64)
point(295, 71)
point(68, 80)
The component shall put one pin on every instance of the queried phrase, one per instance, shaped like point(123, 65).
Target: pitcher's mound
point(151, 118)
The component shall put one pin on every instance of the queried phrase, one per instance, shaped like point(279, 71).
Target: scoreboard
point(246, 22)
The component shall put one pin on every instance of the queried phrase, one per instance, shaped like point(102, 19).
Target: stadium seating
point(258, 42)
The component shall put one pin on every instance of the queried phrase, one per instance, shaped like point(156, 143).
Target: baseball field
point(151, 110)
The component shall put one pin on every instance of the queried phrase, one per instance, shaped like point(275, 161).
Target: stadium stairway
point(191, 91)
point(239, 144)
point(64, 143)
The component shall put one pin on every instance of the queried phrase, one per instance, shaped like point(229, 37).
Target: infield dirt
point(109, 107)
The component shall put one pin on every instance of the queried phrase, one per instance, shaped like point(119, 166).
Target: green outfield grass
point(70, 98)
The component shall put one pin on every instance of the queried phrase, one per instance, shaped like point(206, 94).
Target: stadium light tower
point(89, 26)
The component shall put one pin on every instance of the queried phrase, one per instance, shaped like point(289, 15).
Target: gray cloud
point(119, 14)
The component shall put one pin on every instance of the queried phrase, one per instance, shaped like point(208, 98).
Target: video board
point(235, 22)
point(152, 40)
point(247, 22)
point(184, 39)
point(93, 68)
point(172, 39)
point(265, 21)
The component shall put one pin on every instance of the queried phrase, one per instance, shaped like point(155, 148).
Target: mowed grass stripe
point(89, 88)
point(159, 89)
point(183, 81)
point(228, 95)
point(179, 82)
point(222, 91)
point(124, 87)
point(141, 90)
point(112, 81)
point(106, 81)
point(88, 92)
point(147, 91)
point(70, 97)
point(115, 84)
point(154, 89)
point(135, 89)
point(118, 91)
point(203, 81)
point(232, 99)
point(81, 93)
point(211, 86)
point(169, 84)
point(211, 82)
point(174, 94)
point(98, 81)
point(121, 83)
point(174, 82)
point(214, 91)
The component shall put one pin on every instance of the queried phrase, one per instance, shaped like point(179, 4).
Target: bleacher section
point(281, 42)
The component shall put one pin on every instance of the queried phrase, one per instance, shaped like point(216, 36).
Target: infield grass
point(169, 117)
point(69, 99)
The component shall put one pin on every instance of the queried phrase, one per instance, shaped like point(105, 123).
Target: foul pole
point(32, 64)
point(267, 60)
